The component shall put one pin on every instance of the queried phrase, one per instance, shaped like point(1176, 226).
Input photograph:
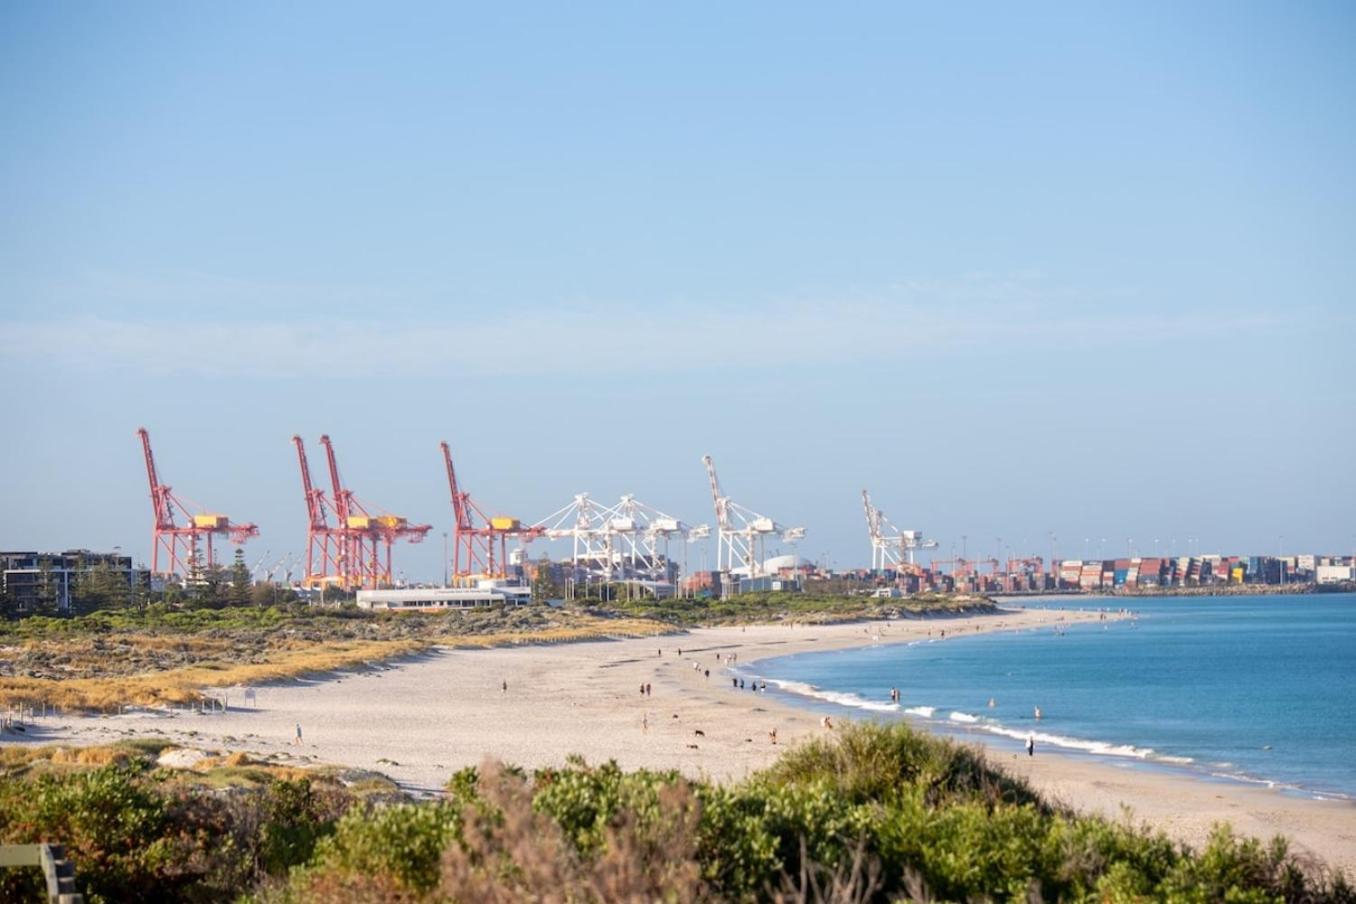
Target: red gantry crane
point(363, 536)
point(326, 562)
point(478, 537)
point(184, 544)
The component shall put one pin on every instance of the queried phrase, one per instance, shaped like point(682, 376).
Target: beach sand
point(419, 719)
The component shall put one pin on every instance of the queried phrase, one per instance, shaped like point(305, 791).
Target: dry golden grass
point(184, 685)
point(20, 759)
point(285, 658)
point(89, 756)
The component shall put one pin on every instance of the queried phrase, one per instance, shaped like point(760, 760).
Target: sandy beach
point(419, 719)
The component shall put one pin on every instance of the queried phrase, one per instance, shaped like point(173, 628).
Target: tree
point(544, 586)
point(48, 591)
point(100, 586)
point(239, 593)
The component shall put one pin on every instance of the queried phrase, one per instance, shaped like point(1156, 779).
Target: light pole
point(446, 566)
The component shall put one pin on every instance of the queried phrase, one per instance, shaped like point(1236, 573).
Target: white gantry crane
point(584, 522)
point(643, 534)
point(626, 541)
point(891, 548)
point(742, 533)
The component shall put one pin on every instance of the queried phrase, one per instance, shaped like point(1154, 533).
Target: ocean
point(1258, 689)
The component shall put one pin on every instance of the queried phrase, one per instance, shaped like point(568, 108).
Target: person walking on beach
point(1031, 744)
point(297, 741)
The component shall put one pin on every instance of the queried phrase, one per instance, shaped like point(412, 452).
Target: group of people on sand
point(646, 690)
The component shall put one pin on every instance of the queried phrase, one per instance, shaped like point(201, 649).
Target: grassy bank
point(159, 655)
point(802, 608)
point(874, 814)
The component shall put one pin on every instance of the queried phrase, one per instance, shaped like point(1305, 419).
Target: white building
point(1334, 574)
point(426, 599)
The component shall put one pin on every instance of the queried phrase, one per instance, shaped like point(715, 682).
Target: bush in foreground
point(875, 814)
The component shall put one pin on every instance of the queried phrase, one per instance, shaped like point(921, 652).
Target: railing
point(56, 869)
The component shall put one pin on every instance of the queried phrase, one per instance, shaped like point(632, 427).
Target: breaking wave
point(976, 723)
point(841, 698)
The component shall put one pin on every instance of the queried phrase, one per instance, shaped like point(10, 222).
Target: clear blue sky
point(1017, 268)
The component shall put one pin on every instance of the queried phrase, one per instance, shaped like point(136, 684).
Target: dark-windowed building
point(49, 581)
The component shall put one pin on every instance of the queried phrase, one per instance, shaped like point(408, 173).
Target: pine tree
point(239, 593)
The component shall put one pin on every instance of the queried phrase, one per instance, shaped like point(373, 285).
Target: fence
point(56, 869)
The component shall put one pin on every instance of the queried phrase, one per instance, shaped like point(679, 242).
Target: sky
point(1019, 269)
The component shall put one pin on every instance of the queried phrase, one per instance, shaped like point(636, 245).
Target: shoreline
point(418, 720)
point(1002, 739)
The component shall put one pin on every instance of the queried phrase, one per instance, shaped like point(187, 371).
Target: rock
point(181, 757)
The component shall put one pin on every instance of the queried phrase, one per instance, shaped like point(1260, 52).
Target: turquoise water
point(1254, 689)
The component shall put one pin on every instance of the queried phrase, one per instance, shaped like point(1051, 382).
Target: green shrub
point(111, 824)
point(869, 762)
point(878, 813)
point(403, 842)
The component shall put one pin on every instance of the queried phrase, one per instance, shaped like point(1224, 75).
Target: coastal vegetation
point(161, 654)
point(876, 813)
point(802, 608)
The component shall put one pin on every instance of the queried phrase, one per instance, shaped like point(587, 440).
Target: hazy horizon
point(1013, 270)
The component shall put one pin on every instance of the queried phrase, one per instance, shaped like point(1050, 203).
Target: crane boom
point(160, 501)
point(315, 509)
point(463, 517)
point(340, 498)
point(872, 517)
point(717, 498)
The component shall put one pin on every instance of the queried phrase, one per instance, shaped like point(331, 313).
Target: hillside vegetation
point(875, 814)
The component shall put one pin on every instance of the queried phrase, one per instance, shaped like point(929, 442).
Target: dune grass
point(204, 662)
point(185, 684)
